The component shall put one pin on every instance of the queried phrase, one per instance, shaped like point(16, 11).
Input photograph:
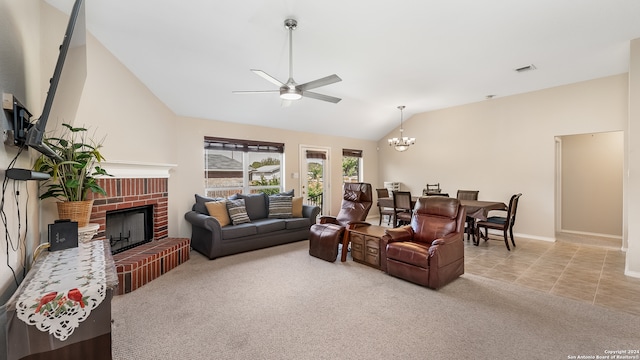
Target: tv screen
point(65, 87)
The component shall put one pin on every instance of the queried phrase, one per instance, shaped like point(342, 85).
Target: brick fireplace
point(133, 186)
point(127, 193)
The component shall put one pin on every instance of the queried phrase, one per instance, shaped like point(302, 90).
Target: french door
point(314, 177)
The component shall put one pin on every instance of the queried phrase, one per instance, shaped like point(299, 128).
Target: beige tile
point(538, 284)
point(501, 275)
point(617, 303)
point(541, 276)
point(583, 272)
point(580, 293)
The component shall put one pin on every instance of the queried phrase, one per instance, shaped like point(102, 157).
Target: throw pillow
point(200, 201)
point(256, 205)
point(287, 193)
point(237, 211)
point(218, 209)
point(296, 207)
point(279, 207)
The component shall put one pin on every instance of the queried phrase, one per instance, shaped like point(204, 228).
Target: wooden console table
point(365, 244)
point(62, 309)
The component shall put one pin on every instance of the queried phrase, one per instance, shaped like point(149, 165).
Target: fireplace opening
point(128, 228)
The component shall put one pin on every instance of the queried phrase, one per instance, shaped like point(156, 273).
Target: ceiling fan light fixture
point(291, 90)
point(401, 143)
point(290, 94)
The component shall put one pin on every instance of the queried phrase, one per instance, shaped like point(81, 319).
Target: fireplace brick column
point(125, 193)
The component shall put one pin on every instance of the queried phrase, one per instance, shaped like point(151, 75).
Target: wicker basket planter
point(79, 211)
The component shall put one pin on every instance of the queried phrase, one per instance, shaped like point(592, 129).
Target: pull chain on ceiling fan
point(292, 90)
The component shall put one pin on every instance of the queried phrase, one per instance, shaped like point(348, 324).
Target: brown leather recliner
point(326, 235)
point(430, 251)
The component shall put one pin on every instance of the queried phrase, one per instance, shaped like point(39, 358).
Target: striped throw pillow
point(237, 211)
point(280, 207)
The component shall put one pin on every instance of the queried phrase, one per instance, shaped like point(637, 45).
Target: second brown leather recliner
point(430, 251)
point(325, 236)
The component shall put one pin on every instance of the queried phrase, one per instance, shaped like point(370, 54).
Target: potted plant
point(73, 175)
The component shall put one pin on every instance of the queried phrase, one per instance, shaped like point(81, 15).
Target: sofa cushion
point(265, 226)
point(239, 231)
point(287, 193)
point(279, 207)
point(200, 201)
point(296, 207)
point(298, 223)
point(256, 205)
point(237, 211)
point(218, 209)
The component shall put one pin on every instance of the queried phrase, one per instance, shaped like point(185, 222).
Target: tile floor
point(594, 274)
point(584, 269)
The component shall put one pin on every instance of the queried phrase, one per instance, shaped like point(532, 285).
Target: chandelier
point(402, 143)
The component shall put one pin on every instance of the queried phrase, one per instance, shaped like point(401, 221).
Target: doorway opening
point(589, 183)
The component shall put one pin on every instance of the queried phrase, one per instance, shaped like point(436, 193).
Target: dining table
point(479, 210)
point(476, 209)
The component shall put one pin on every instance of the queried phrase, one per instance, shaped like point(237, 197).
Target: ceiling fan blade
point(255, 91)
point(268, 77)
point(320, 82)
point(317, 96)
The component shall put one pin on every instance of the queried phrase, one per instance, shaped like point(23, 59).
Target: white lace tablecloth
point(64, 287)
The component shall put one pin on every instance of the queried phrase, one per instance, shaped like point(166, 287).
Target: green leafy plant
point(72, 176)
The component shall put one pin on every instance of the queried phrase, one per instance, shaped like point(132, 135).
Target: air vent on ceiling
point(526, 68)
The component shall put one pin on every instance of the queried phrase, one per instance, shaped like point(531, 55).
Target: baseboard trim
point(608, 236)
point(634, 274)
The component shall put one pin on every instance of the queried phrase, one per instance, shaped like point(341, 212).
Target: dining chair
point(470, 221)
point(384, 211)
point(432, 189)
point(504, 223)
point(402, 210)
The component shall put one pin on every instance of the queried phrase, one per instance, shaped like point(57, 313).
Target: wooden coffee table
point(365, 243)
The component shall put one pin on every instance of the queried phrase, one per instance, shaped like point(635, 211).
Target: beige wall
point(631, 224)
point(591, 191)
point(506, 145)
point(190, 152)
point(136, 125)
point(20, 76)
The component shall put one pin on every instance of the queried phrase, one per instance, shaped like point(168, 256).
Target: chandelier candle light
point(402, 143)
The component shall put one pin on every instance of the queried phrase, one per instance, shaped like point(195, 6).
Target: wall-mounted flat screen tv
point(65, 87)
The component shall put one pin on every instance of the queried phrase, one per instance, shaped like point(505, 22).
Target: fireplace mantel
point(136, 170)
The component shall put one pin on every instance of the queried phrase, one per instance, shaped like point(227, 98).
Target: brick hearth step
point(144, 263)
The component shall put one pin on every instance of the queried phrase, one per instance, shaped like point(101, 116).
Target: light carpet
point(281, 303)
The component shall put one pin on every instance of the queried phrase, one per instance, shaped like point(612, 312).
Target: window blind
point(216, 143)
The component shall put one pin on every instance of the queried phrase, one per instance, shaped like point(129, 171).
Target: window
point(241, 166)
point(351, 165)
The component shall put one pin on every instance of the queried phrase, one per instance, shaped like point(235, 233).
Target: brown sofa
point(430, 251)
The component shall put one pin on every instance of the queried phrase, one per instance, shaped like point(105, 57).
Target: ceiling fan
point(292, 90)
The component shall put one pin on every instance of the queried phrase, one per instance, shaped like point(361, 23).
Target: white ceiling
point(424, 54)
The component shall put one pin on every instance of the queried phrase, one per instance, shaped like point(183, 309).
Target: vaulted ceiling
point(424, 54)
